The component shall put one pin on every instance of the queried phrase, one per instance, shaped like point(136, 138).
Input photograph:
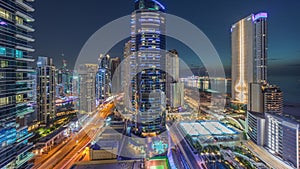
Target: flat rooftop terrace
point(205, 128)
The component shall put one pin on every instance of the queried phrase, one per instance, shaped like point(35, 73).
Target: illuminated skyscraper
point(263, 98)
point(87, 89)
point(249, 54)
point(46, 86)
point(174, 89)
point(261, 47)
point(147, 66)
point(15, 84)
point(103, 79)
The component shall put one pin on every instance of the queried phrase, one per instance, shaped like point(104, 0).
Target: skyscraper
point(66, 79)
point(87, 89)
point(125, 75)
point(46, 91)
point(260, 47)
point(103, 79)
point(15, 107)
point(147, 66)
point(249, 54)
point(174, 88)
point(115, 74)
point(265, 98)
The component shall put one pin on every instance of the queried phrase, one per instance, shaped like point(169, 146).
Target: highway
point(66, 154)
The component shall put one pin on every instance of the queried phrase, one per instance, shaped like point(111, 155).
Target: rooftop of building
point(105, 145)
point(257, 114)
point(154, 5)
point(204, 128)
point(106, 164)
point(286, 118)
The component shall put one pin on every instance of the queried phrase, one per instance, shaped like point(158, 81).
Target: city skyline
point(283, 45)
point(218, 90)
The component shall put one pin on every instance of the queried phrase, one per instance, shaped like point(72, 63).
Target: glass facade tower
point(15, 84)
point(46, 91)
point(249, 54)
point(147, 65)
point(103, 79)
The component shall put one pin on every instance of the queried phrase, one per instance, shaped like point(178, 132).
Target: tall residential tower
point(87, 87)
point(147, 66)
point(103, 79)
point(249, 54)
point(46, 91)
point(15, 84)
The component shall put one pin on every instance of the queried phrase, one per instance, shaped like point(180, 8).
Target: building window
point(19, 54)
point(5, 14)
point(6, 101)
point(2, 75)
point(3, 64)
point(3, 101)
point(2, 51)
point(19, 75)
point(19, 98)
point(19, 20)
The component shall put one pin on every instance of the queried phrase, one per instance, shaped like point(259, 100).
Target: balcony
point(24, 69)
point(25, 137)
point(24, 5)
point(26, 27)
point(25, 159)
point(25, 59)
point(25, 91)
point(25, 48)
point(29, 39)
point(25, 16)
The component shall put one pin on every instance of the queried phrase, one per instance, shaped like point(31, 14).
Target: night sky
point(63, 26)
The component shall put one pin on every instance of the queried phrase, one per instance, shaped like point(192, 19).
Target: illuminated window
point(2, 51)
point(5, 14)
point(5, 101)
point(19, 75)
point(19, 54)
point(3, 64)
point(2, 75)
point(19, 20)
point(19, 98)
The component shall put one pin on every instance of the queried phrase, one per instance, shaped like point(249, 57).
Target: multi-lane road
point(67, 153)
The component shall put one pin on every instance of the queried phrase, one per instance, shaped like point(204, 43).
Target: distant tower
point(125, 75)
point(103, 79)
point(46, 91)
point(174, 88)
point(87, 82)
point(115, 74)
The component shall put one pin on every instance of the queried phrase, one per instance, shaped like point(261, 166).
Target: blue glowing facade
point(147, 65)
point(103, 79)
point(15, 83)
